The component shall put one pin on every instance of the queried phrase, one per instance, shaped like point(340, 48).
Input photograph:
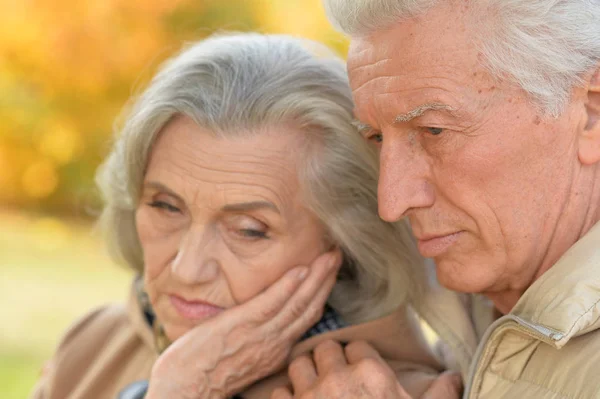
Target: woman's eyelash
point(249, 233)
point(163, 205)
point(376, 137)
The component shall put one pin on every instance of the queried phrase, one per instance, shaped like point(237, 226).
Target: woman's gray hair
point(239, 84)
point(547, 47)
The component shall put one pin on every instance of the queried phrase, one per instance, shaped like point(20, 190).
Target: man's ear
point(589, 139)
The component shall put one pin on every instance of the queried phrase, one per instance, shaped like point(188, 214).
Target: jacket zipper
point(500, 326)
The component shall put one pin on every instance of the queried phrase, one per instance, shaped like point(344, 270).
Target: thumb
point(447, 386)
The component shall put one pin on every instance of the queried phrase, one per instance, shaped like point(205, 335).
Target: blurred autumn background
point(66, 70)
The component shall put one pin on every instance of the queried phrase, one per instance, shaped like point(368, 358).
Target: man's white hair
point(545, 46)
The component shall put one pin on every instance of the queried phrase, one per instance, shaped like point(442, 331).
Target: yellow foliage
point(40, 179)
point(8, 177)
point(61, 142)
point(67, 67)
point(305, 18)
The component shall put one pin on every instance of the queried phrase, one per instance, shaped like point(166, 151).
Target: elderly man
point(487, 116)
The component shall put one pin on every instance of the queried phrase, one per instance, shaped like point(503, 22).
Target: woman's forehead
point(192, 160)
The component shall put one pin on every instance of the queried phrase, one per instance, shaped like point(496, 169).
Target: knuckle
point(299, 309)
point(325, 349)
point(368, 366)
point(267, 312)
point(357, 346)
point(327, 346)
point(299, 364)
point(374, 372)
point(275, 358)
point(333, 384)
point(311, 314)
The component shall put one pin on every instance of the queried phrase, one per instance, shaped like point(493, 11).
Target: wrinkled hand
point(248, 342)
point(356, 371)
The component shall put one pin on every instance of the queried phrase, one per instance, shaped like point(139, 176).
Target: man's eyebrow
point(420, 110)
point(250, 206)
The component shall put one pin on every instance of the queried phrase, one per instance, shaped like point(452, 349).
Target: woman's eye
point(434, 130)
point(249, 233)
point(165, 206)
point(376, 137)
point(245, 228)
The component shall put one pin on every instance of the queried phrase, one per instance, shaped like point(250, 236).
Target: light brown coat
point(113, 347)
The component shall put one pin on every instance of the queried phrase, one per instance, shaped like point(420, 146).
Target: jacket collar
point(565, 301)
point(396, 337)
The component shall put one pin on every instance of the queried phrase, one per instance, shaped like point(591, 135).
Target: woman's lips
point(437, 245)
point(194, 310)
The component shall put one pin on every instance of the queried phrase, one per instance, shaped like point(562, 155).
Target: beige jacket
point(113, 347)
point(549, 345)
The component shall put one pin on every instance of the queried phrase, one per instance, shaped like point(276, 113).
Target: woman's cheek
point(246, 286)
point(159, 246)
point(249, 277)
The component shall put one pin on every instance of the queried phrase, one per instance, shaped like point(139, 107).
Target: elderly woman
point(236, 168)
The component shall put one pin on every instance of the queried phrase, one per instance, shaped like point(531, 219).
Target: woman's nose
point(197, 258)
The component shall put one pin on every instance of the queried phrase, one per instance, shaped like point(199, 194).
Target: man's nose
point(197, 259)
point(403, 178)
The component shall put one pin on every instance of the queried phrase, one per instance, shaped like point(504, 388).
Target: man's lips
point(194, 310)
point(431, 245)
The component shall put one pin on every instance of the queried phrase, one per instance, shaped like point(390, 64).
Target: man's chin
point(463, 276)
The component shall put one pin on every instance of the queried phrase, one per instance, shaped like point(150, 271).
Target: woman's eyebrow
point(161, 187)
point(236, 207)
point(361, 127)
point(250, 206)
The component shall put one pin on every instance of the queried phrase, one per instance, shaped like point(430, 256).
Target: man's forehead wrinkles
point(372, 80)
point(355, 67)
point(362, 70)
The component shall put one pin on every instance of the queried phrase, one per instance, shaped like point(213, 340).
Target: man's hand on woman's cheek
point(355, 371)
point(225, 354)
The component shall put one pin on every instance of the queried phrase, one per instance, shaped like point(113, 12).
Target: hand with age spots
point(229, 352)
point(355, 371)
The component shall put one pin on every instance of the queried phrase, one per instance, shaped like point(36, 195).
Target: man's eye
point(434, 130)
point(249, 233)
point(163, 205)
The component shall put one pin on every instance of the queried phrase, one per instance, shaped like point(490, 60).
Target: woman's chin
point(175, 329)
point(175, 324)
point(174, 332)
